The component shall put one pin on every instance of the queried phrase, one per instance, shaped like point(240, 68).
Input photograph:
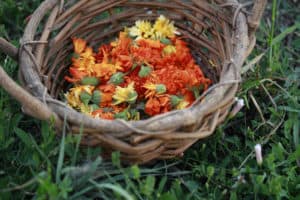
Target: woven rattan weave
point(220, 34)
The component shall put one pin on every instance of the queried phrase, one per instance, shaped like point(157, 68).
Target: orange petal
point(79, 45)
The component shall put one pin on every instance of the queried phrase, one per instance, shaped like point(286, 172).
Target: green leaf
point(115, 158)
point(25, 137)
point(210, 171)
point(136, 172)
point(90, 81)
point(85, 97)
point(168, 196)
point(282, 35)
point(161, 185)
point(148, 186)
point(96, 98)
point(114, 188)
point(161, 88)
point(144, 71)
point(117, 78)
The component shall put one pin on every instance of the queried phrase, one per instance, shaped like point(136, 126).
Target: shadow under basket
point(220, 34)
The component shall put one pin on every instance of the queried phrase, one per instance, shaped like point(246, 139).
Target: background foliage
point(35, 164)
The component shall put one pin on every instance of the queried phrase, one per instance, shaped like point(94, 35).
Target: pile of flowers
point(147, 70)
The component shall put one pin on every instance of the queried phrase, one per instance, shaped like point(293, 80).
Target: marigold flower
point(127, 94)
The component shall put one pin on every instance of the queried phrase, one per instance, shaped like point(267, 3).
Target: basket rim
point(161, 124)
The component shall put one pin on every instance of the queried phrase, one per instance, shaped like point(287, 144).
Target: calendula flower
point(158, 105)
point(79, 45)
point(154, 89)
point(100, 113)
point(73, 96)
point(169, 49)
point(164, 28)
point(106, 70)
point(76, 75)
point(127, 94)
point(182, 105)
point(142, 29)
point(85, 62)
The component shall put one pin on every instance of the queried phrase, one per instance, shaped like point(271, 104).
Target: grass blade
point(286, 32)
point(115, 188)
point(61, 153)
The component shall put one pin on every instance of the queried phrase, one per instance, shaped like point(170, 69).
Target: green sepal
point(90, 81)
point(117, 78)
point(85, 97)
point(175, 100)
point(132, 97)
point(122, 115)
point(94, 107)
point(96, 98)
point(144, 71)
point(197, 91)
point(165, 41)
point(161, 88)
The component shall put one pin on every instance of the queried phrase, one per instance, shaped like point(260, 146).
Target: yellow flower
point(182, 104)
point(169, 49)
point(127, 94)
point(164, 28)
point(142, 29)
point(73, 96)
point(154, 89)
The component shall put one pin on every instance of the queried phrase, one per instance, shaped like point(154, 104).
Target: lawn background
point(35, 164)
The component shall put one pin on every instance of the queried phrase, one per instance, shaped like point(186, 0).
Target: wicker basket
point(220, 34)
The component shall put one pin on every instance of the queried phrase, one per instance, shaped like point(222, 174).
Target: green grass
point(35, 164)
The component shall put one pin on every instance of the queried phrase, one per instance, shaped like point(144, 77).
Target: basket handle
point(8, 48)
point(256, 14)
point(31, 105)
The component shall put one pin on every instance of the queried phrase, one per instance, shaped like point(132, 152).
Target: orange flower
point(79, 45)
point(76, 75)
point(99, 113)
point(158, 105)
point(107, 92)
point(85, 62)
